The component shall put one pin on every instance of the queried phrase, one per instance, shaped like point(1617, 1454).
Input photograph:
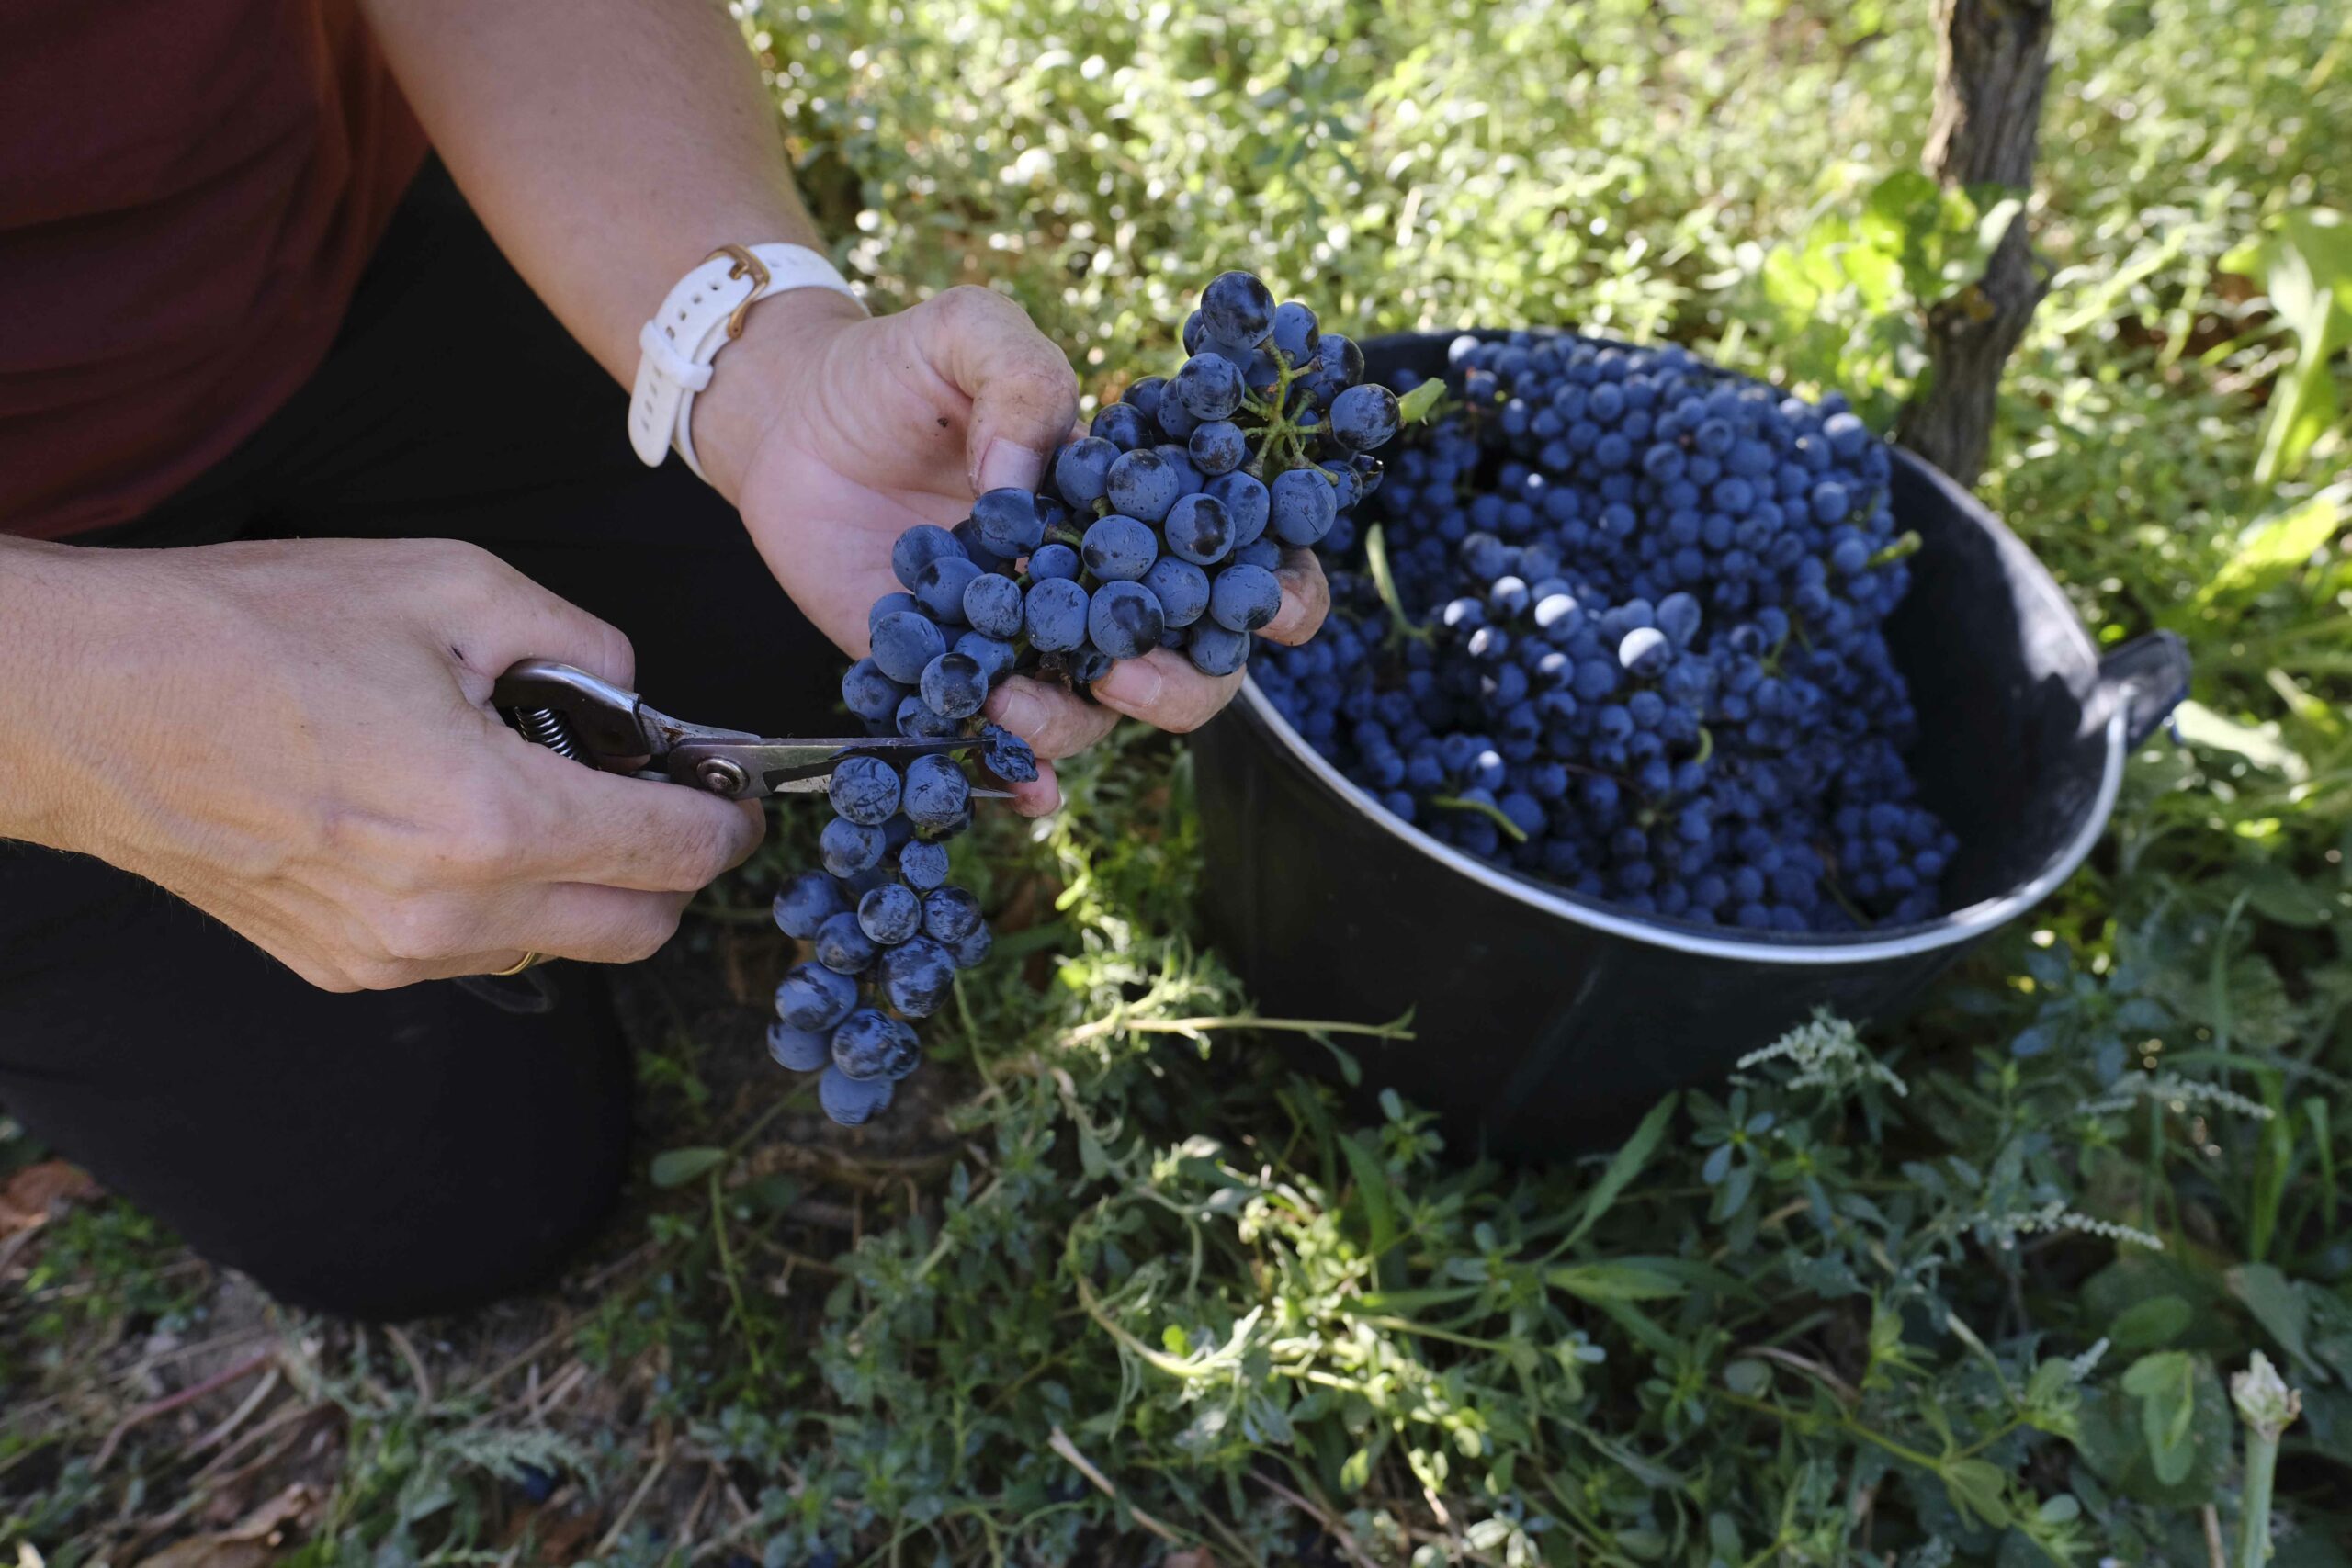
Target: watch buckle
point(744, 264)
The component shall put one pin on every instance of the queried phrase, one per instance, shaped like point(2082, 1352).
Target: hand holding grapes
point(835, 432)
point(1169, 536)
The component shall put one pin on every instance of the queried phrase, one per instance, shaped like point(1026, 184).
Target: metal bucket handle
point(2145, 679)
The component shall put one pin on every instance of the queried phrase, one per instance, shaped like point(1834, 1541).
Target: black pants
point(395, 1153)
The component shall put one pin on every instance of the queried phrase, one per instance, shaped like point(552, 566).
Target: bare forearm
point(285, 734)
point(609, 145)
point(42, 630)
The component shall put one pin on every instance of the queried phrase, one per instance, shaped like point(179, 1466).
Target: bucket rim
point(1951, 930)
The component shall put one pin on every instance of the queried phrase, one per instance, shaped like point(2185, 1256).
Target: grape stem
point(1281, 450)
point(1398, 1029)
point(1905, 544)
point(1510, 829)
point(1829, 885)
point(1375, 555)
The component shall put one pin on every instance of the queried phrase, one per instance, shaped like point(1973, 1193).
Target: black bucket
point(1546, 1022)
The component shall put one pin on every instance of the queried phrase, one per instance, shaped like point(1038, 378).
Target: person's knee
point(511, 1230)
point(377, 1155)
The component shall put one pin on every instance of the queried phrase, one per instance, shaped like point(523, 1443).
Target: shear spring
point(545, 727)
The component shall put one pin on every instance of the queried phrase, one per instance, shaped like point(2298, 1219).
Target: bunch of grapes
point(1161, 527)
point(1619, 626)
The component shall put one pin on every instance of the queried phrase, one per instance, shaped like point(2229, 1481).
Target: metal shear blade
point(591, 720)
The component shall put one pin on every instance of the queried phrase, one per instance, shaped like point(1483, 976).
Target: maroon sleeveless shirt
point(188, 192)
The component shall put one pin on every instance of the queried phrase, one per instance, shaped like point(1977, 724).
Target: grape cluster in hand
point(1172, 512)
point(1621, 630)
point(1161, 527)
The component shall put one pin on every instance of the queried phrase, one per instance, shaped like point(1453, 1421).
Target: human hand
point(839, 432)
point(295, 737)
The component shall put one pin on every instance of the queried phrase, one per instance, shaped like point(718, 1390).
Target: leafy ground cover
point(1122, 1283)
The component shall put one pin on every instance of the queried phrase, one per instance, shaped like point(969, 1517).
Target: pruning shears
point(589, 719)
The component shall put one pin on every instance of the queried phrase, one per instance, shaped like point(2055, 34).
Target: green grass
point(1126, 1284)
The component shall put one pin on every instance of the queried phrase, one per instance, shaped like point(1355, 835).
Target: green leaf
point(1622, 1280)
point(2151, 1375)
point(1406, 1302)
point(1979, 1489)
point(2051, 1378)
point(1416, 405)
point(1787, 289)
point(2273, 547)
point(1645, 1331)
point(1624, 1167)
point(776, 1192)
point(1372, 1189)
point(1642, 1542)
point(2279, 1305)
point(2305, 266)
point(2326, 1424)
point(2147, 1324)
point(2165, 1386)
point(2115, 1290)
point(1747, 1377)
point(1877, 277)
point(675, 1168)
point(2169, 1454)
point(1647, 1471)
point(2258, 744)
point(1902, 209)
point(2278, 893)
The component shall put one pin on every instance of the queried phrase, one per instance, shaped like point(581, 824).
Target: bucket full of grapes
point(1657, 710)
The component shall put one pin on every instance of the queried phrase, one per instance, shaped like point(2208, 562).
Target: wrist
point(54, 698)
point(784, 343)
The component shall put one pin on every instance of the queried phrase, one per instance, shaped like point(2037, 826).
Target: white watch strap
point(702, 315)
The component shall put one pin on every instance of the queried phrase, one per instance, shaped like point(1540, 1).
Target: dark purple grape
point(918, 548)
point(954, 686)
point(949, 914)
point(864, 790)
point(1057, 614)
point(1008, 522)
point(936, 792)
point(842, 946)
point(1295, 333)
point(1214, 650)
point(850, 1101)
point(1182, 590)
point(917, 975)
point(1199, 530)
point(815, 997)
point(890, 914)
point(1237, 308)
point(923, 864)
point(1244, 597)
point(1119, 548)
point(904, 643)
point(802, 1050)
point(1124, 621)
point(806, 902)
